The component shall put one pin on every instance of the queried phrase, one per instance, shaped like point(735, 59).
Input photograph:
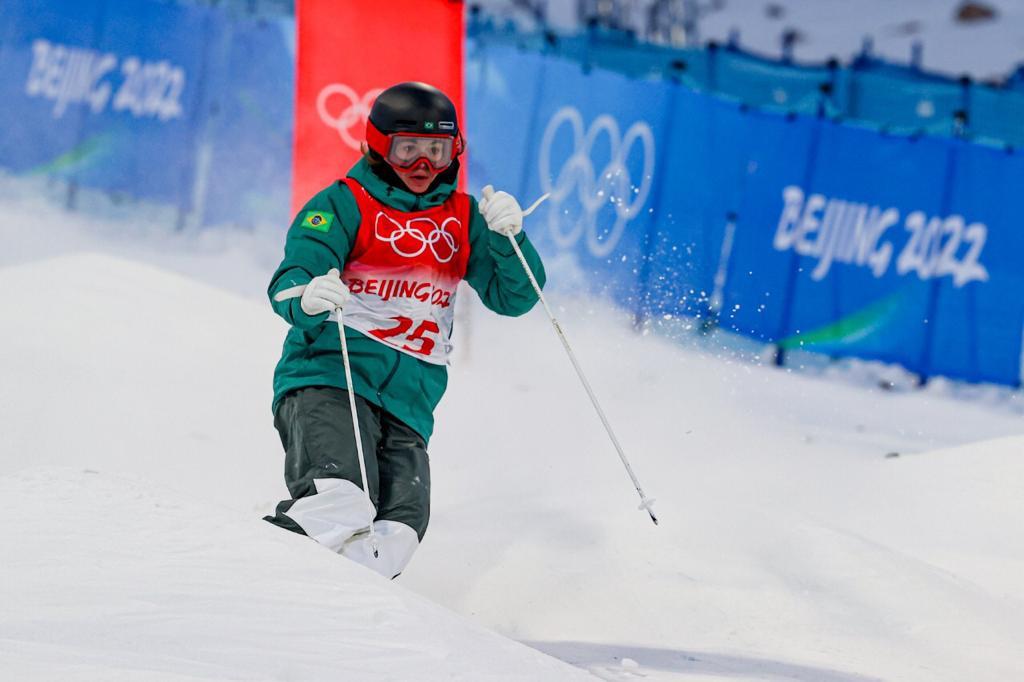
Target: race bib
point(403, 272)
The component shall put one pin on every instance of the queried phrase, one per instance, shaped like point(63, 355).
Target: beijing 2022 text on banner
point(349, 52)
point(794, 230)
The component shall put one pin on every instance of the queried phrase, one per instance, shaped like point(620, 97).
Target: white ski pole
point(355, 429)
point(645, 503)
point(295, 292)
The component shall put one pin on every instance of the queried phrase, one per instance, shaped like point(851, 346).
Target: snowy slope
point(110, 577)
point(166, 573)
point(791, 547)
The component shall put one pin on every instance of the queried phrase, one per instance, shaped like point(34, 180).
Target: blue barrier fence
point(794, 229)
point(172, 103)
point(785, 224)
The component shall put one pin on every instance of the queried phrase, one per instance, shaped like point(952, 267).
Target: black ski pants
point(315, 425)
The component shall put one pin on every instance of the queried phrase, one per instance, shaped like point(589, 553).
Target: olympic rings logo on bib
point(353, 115)
point(417, 235)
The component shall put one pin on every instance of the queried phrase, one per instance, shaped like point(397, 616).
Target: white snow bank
point(111, 577)
point(121, 366)
point(111, 366)
point(790, 547)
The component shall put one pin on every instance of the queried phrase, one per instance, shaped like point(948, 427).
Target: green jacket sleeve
point(494, 270)
point(312, 250)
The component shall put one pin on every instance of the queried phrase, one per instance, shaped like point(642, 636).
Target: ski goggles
point(407, 150)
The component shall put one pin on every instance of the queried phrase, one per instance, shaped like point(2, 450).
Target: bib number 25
point(417, 342)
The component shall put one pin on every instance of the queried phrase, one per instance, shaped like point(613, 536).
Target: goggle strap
point(376, 140)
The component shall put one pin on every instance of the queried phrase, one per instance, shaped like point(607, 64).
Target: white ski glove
point(502, 212)
point(324, 294)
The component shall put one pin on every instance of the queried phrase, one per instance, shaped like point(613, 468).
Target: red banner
point(350, 50)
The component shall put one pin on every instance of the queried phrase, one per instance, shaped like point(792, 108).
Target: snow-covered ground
point(109, 576)
point(137, 456)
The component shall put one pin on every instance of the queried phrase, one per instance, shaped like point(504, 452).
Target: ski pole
point(645, 503)
point(355, 429)
point(295, 292)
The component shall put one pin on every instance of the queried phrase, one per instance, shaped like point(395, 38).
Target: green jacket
point(405, 386)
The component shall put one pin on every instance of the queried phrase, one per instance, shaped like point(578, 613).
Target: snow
point(138, 455)
point(111, 577)
point(140, 461)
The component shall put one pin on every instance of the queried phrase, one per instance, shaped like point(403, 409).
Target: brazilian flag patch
point(320, 221)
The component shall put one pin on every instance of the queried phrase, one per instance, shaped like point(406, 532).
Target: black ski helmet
point(412, 107)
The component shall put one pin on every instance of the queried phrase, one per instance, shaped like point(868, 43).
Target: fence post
point(713, 309)
point(794, 259)
point(71, 195)
point(962, 117)
point(932, 306)
point(828, 96)
point(788, 41)
point(867, 47)
point(733, 41)
point(713, 318)
point(196, 176)
point(534, 114)
point(829, 89)
point(712, 66)
point(73, 178)
point(916, 55)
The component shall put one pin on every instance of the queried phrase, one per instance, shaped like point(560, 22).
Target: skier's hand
point(502, 212)
point(324, 294)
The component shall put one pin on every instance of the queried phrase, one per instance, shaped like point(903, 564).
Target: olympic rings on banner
point(613, 185)
point(440, 242)
point(354, 113)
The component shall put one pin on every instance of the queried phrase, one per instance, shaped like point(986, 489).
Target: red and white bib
point(403, 272)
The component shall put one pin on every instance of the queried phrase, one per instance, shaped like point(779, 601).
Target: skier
point(388, 244)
